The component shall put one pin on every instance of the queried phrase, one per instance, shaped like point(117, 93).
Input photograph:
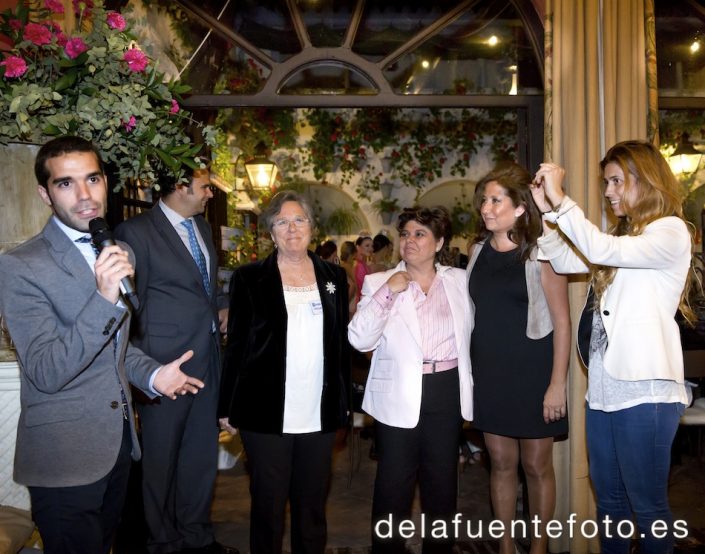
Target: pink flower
point(131, 124)
point(54, 5)
point(15, 24)
point(36, 33)
point(174, 106)
point(136, 60)
point(58, 32)
point(75, 47)
point(116, 21)
point(14, 66)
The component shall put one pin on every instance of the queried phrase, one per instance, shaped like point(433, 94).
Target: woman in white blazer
point(628, 336)
point(417, 318)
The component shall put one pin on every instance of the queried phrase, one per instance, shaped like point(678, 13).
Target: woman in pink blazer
point(417, 318)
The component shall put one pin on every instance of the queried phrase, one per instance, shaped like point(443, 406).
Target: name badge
point(316, 308)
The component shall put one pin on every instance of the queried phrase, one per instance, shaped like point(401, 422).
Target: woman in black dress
point(520, 347)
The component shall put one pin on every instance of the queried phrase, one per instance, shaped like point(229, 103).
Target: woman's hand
point(555, 405)
point(399, 282)
point(547, 186)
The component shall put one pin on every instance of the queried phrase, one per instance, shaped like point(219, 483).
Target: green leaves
point(97, 96)
point(67, 80)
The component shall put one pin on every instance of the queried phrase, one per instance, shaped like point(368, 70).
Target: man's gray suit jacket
point(71, 423)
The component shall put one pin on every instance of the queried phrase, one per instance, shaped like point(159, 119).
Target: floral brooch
point(330, 287)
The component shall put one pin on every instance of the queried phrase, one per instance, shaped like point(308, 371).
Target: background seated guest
point(382, 249)
point(628, 336)
point(347, 262)
point(520, 348)
point(286, 377)
point(417, 318)
point(363, 251)
point(328, 252)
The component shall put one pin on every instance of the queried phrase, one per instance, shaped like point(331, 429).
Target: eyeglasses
point(298, 221)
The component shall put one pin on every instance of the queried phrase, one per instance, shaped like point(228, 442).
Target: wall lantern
point(261, 171)
point(685, 159)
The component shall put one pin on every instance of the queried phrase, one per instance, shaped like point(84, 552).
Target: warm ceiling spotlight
point(425, 64)
point(493, 40)
point(695, 47)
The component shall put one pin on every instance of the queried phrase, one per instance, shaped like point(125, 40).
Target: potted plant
point(93, 83)
point(386, 207)
point(342, 221)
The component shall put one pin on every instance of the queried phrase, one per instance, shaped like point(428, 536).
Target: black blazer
point(254, 372)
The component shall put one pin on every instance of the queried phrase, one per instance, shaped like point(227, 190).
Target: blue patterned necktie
point(197, 254)
point(86, 239)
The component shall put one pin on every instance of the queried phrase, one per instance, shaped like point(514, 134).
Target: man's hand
point(171, 381)
point(223, 320)
point(225, 426)
point(111, 266)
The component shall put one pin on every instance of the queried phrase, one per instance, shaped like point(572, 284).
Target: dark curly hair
point(436, 218)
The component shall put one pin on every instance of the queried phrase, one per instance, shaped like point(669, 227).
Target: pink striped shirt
point(435, 318)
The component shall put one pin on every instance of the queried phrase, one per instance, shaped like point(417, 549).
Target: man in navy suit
point(64, 312)
point(179, 305)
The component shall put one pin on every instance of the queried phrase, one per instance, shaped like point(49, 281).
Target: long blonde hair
point(656, 193)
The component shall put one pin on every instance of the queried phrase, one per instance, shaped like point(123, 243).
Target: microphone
point(102, 236)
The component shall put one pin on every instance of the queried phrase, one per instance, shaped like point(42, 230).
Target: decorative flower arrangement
point(94, 83)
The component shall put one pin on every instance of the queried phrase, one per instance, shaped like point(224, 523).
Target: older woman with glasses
point(286, 377)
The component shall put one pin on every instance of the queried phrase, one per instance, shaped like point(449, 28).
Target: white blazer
point(393, 390)
point(638, 308)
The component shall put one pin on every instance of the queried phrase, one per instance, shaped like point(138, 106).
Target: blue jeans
point(630, 454)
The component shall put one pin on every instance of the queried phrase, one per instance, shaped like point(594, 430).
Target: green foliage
point(127, 109)
point(463, 216)
point(247, 127)
point(419, 142)
point(342, 221)
point(673, 123)
point(385, 205)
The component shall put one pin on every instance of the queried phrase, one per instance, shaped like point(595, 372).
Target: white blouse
point(609, 394)
point(304, 359)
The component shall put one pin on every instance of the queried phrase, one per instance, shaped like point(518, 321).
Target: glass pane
point(327, 21)
point(680, 48)
point(385, 26)
point(676, 129)
point(328, 78)
point(222, 67)
point(485, 51)
point(267, 25)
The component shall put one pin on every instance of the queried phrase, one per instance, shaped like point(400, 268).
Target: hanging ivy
point(417, 142)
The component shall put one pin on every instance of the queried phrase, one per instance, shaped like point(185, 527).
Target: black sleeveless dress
point(510, 370)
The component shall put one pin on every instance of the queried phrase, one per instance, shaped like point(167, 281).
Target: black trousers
point(83, 519)
point(427, 453)
point(179, 466)
point(294, 467)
